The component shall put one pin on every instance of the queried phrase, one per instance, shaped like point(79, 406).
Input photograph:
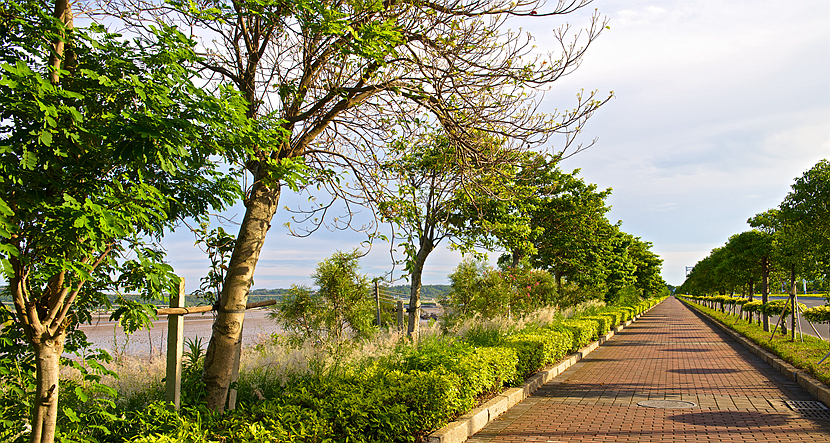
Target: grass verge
point(803, 355)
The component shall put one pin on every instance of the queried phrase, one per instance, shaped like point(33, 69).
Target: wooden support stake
point(175, 347)
point(377, 303)
point(400, 315)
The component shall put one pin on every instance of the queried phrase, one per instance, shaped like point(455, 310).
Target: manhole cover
point(667, 404)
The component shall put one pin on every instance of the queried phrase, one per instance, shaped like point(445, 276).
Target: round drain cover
point(667, 404)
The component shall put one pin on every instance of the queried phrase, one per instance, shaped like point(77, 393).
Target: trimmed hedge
point(584, 331)
point(537, 348)
point(603, 322)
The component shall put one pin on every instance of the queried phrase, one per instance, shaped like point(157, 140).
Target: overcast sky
point(718, 106)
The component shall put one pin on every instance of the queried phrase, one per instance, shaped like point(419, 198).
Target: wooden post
point(400, 315)
point(175, 346)
point(377, 303)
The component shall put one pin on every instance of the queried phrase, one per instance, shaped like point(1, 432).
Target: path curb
point(816, 388)
point(474, 420)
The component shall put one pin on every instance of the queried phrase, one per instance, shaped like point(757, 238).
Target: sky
point(718, 106)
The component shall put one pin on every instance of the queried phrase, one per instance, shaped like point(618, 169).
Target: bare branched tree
point(330, 83)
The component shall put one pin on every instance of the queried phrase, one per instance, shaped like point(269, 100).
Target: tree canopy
point(104, 143)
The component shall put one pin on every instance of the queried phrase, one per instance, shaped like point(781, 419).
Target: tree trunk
point(227, 328)
point(414, 327)
point(48, 352)
point(517, 258)
point(765, 288)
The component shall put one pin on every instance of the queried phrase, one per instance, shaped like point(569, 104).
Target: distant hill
point(278, 291)
point(401, 291)
point(436, 292)
point(427, 291)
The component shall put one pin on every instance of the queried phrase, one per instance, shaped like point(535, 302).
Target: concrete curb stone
point(474, 420)
point(816, 388)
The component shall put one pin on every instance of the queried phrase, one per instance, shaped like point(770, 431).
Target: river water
point(108, 335)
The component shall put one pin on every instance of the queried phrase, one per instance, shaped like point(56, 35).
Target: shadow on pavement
point(703, 371)
point(740, 419)
point(686, 350)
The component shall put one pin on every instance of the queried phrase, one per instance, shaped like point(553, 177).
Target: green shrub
point(537, 348)
point(338, 310)
point(776, 307)
point(818, 314)
point(583, 331)
point(753, 306)
point(603, 322)
point(481, 370)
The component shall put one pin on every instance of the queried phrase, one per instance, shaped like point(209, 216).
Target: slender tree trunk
point(414, 327)
point(63, 12)
point(224, 341)
point(765, 289)
point(48, 348)
point(414, 311)
point(48, 352)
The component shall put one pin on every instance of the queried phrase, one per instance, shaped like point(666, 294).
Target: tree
point(427, 189)
point(103, 145)
point(331, 82)
point(648, 264)
point(619, 266)
point(806, 213)
point(574, 236)
point(339, 309)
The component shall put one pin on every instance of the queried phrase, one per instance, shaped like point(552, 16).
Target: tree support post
point(175, 347)
point(377, 303)
point(400, 315)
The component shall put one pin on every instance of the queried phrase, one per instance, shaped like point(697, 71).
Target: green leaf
point(73, 417)
point(45, 138)
point(81, 394)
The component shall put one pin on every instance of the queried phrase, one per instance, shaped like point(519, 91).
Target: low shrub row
point(726, 303)
point(397, 398)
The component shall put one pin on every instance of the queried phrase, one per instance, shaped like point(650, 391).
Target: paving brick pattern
point(668, 354)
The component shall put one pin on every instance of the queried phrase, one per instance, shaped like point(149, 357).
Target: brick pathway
point(668, 354)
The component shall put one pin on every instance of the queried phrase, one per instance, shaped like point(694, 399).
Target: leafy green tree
point(573, 237)
point(649, 282)
point(104, 143)
point(340, 308)
point(805, 213)
point(751, 254)
point(428, 186)
point(477, 289)
point(619, 266)
point(502, 217)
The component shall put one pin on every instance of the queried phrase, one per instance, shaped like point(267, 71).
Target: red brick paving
point(668, 354)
